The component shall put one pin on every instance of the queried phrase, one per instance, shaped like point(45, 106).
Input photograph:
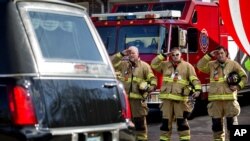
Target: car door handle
point(109, 85)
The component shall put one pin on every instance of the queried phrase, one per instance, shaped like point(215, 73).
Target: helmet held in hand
point(233, 78)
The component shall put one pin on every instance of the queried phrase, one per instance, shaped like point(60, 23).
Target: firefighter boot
point(141, 128)
point(230, 122)
point(165, 131)
point(217, 128)
point(183, 129)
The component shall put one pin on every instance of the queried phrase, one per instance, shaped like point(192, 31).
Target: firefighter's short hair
point(175, 48)
point(221, 47)
point(134, 48)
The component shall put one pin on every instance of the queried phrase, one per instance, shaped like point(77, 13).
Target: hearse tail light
point(21, 107)
point(126, 112)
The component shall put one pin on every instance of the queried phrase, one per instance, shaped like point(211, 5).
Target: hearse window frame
point(54, 67)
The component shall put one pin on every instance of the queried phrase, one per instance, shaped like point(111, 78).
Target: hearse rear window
point(64, 37)
point(63, 41)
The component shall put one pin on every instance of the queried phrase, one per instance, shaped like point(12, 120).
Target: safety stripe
point(138, 80)
point(150, 75)
point(142, 137)
point(173, 97)
point(157, 65)
point(207, 57)
point(241, 73)
point(220, 80)
point(241, 84)
point(161, 57)
point(164, 138)
point(168, 79)
point(197, 87)
point(191, 78)
point(185, 138)
point(135, 96)
point(218, 139)
point(117, 64)
point(213, 97)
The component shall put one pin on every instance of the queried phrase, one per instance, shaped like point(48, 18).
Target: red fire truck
point(195, 26)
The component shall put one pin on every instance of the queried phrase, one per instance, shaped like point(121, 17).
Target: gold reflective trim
point(182, 81)
point(164, 138)
point(161, 57)
point(185, 138)
point(117, 64)
point(197, 87)
point(191, 78)
point(138, 80)
point(207, 57)
point(222, 97)
point(218, 139)
point(135, 96)
point(241, 73)
point(173, 97)
point(241, 84)
point(150, 75)
point(220, 80)
point(142, 136)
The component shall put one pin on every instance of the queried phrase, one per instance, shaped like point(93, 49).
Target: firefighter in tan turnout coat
point(221, 94)
point(138, 80)
point(178, 75)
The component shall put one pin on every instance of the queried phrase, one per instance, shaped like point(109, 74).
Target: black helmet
point(233, 78)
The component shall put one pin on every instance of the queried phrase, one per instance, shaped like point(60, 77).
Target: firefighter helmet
point(233, 78)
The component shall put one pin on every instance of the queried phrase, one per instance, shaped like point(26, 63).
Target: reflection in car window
point(64, 37)
point(67, 45)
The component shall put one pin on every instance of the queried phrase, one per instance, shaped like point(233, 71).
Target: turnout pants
point(139, 111)
point(219, 111)
point(174, 109)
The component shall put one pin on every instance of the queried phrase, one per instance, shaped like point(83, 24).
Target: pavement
point(200, 126)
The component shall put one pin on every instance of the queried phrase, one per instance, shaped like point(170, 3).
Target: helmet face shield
point(233, 78)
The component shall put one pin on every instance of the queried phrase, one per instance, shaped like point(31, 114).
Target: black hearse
point(56, 80)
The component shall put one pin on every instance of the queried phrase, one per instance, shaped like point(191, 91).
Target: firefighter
point(178, 76)
point(222, 96)
point(138, 80)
